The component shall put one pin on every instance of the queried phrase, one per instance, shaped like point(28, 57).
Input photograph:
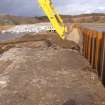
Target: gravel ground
point(40, 73)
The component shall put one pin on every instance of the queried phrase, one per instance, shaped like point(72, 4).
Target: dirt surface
point(47, 72)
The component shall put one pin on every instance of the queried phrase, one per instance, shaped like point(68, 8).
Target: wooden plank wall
point(94, 50)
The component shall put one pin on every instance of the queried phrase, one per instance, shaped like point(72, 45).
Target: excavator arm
point(54, 17)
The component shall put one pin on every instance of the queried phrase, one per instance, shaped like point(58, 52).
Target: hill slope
point(15, 20)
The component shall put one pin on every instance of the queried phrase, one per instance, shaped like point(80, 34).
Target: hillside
point(94, 17)
point(15, 20)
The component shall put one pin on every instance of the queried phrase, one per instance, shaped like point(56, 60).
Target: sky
point(66, 7)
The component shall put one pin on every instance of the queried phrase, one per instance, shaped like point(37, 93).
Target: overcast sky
point(68, 7)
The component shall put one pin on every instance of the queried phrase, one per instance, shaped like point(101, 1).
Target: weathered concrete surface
point(76, 36)
point(36, 73)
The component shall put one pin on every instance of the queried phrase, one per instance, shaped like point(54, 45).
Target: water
point(9, 36)
point(93, 26)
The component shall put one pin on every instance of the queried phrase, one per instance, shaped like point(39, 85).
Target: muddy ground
point(45, 70)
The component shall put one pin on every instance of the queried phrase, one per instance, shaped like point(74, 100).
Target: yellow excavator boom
point(54, 17)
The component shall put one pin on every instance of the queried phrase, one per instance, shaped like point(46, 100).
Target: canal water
point(9, 36)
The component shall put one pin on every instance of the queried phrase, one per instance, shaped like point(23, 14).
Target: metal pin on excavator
point(54, 17)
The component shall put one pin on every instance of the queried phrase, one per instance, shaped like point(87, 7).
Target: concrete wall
point(76, 36)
